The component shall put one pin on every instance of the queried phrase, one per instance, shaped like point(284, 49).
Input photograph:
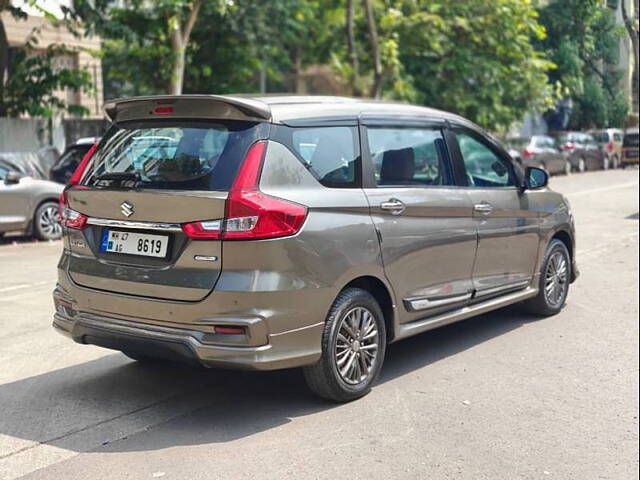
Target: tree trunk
point(351, 49)
point(632, 29)
point(179, 41)
point(296, 73)
point(4, 62)
point(177, 60)
point(376, 88)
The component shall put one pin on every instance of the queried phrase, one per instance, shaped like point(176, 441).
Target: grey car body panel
point(433, 259)
point(19, 201)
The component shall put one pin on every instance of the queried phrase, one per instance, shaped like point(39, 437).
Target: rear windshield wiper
point(120, 177)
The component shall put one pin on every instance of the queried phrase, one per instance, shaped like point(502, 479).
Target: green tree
point(475, 58)
point(28, 88)
point(583, 43)
point(150, 38)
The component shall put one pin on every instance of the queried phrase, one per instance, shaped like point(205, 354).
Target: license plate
point(133, 243)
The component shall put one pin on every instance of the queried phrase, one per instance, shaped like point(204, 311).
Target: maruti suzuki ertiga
point(307, 232)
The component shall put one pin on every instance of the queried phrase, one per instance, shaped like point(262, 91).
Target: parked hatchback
point(610, 143)
point(630, 144)
point(28, 204)
point(583, 150)
point(540, 151)
point(304, 232)
point(64, 167)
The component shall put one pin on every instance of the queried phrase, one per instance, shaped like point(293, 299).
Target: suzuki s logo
point(126, 209)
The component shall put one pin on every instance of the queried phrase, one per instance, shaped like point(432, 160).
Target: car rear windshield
point(631, 140)
point(184, 155)
point(519, 143)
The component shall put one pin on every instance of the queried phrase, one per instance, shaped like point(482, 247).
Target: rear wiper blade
point(119, 177)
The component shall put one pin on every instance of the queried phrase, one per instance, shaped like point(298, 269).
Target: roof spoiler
point(186, 106)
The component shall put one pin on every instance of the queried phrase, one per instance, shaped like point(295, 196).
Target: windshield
point(184, 155)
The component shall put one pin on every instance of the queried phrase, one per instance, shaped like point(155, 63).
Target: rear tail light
point(77, 175)
point(69, 217)
point(251, 214)
point(526, 153)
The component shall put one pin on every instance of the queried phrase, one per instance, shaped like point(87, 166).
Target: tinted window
point(409, 156)
point(184, 156)
point(617, 137)
point(330, 153)
point(519, 143)
point(484, 167)
point(3, 171)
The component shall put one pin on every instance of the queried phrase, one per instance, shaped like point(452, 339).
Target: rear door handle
point(394, 206)
point(483, 207)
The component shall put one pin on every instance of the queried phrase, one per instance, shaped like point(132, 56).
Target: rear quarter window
point(331, 154)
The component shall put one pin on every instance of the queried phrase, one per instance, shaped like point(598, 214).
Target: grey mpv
point(307, 232)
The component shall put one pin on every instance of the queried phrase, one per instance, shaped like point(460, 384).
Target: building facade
point(18, 31)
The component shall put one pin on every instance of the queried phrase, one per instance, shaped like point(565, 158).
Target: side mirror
point(12, 178)
point(535, 178)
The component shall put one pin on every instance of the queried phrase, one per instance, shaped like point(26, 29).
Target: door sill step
point(417, 326)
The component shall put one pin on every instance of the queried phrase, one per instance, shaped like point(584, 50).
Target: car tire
point(582, 165)
point(555, 278)
point(353, 347)
point(46, 222)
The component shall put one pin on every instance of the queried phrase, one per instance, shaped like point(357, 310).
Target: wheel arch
point(383, 295)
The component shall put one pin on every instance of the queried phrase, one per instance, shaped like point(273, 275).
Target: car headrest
point(397, 166)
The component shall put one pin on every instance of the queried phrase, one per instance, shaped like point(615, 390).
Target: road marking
point(13, 288)
point(602, 189)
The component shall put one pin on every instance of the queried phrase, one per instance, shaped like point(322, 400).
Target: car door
point(556, 161)
point(508, 231)
point(14, 203)
point(594, 154)
point(424, 222)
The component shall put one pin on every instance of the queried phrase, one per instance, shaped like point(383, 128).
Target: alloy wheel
point(555, 284)
point(356, 347)
point(49, 222)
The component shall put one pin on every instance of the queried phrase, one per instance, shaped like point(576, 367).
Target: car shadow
point(51, 407)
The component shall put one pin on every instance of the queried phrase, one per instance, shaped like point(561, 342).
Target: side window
point(330, 153)
point(409, 156)
point(484, 167)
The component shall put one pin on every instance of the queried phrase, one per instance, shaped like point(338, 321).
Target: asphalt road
point(502, 396)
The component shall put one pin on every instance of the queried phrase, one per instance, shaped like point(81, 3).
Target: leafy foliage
point(34, 80)
point(35, 77)
point(583, 42)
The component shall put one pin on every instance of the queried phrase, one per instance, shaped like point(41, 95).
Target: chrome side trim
point(422, 303)
point(106, 222)
point(503, 288)
point(412, 328)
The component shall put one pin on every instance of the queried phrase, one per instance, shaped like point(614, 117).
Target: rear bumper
point(283, 350)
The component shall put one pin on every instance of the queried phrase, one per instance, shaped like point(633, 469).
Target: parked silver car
point(540, 151)
point(307, 232)
point(28, 204)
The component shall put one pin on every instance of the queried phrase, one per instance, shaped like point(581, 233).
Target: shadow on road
point(47, 407)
